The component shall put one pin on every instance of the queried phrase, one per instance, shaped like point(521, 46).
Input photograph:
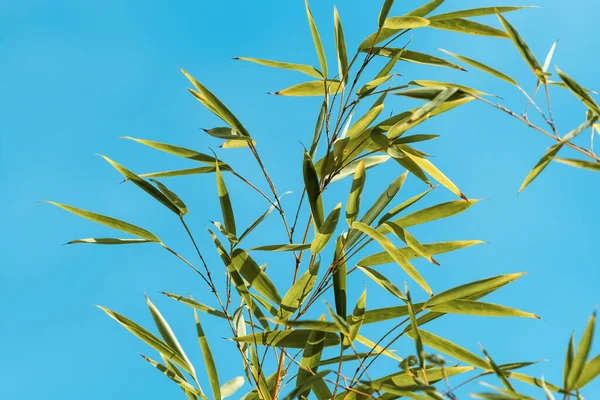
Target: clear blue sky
point(76, 75)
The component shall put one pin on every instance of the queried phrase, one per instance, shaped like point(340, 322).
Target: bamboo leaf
point(482, 67)
point(339, 277)
point(309, 382)
point(361, 125)
point(351, 167)
point(402, 206)
point(182, 172)
point(314, 325)
point(288, 339)
point(579, 92)
point(415, 330)
point(376, 348)
point(145, 186)
point(410, 240)
point(179, 151)
point(312, 88)
point(369, 87)
point(313, 190)
point(109, 241)
point(498, 371)
point(426, 8)
point(569, 360)
point(296, 295)
point(549, 57)
point(226, 133)
point(317, 40)
point(433, 249)
point(582, 353)
point(416, 57)
point(174, 377)
point(465, 26)
point(533, 381)
point(382, 281)
point(472, 288)
point(471, 307)
point(257, 278)
point(307, 69)
point(225, 201)
point(210, 101)
point(110, 222)
point(541, 164)
point(167, 333)
point(340, 47)
point(326, 231)
point(433, 213)
point(230, 387)
point(172, 197)
point(590, 371)
point(318, 130)
point(358, 184)
point(311, 357)
point(447, 85)
point(209, 361)
point(282, 247)
point(260, 219)
point(384, 199)
point(591, 165)
point(195, 304)
point(523, 48)
point(406, 22)
point(148, 338)
point(476, 12)
point(394, 253)
point(355, 321)
point(453, 350)
point(385, 10)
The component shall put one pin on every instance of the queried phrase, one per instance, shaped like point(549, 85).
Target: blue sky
point(76, 75)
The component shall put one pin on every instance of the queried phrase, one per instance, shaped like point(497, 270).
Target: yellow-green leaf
point(358, 184)
point(209, 361)
point(313, 190)
point(290, 338)
point(317, 40)
point(476, 12)
point(340, 47)
point(355, 321)
point(299, 291)
point(410, 22)
point(482, 67)
point(307, 69)
point(465, 26)
point(382, 281)
point(471, 307)
point(172, 197)
point(591, 165)
point(579, 92)
point(226, 208)
point(410, 240)
point(582, 353)
point(256, 277)
point(312, 88)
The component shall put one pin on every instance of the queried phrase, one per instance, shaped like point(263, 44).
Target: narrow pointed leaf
point(178, 151)
point(313, 190)
point(339, 278)
point(311, 357)
point(355, 320)
point(282, 247)
point(415, 330)
point(416, 57)
point(317, 40)
point(225, 201)
point(435, 173)
point(174, 377)
point(209, 361)
point(257, 278)
point(229, 388)
point(402, 206)
point(475, 12)
point(579, 92)
point(439, 211)
point(340, 46)
point(194, 304)
point(110, 222)
point(549, 57)
point(410, 240)
point(358, 184)
point(296, 295)
point(406, 22)
point(541, 164)
point(318, 130)
point(351, 167)
point(590, 371)
point(182, 172)
point(591, 165)
point(385, 10)
point(426, 8)
point(172, 197)
point(483, 67)
point(382, 281)
point(469, 27)
point(289, 339)
point(394, 253)
point(363, 123)
point(326, 231)
point(307, 69)
point(376, 348)
point(471, 307)
point(109, 241)
point(582, 353)
point(312, 88)
point(369, 87)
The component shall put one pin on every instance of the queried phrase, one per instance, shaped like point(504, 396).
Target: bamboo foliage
point(286, 351)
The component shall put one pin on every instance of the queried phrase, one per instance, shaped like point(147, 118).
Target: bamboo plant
point(291, 344)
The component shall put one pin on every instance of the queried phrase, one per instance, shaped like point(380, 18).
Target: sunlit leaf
point(318, 129)
point(182, 172)
point(470, 307)
point(385, 10)
point(425, 9)
point(438, 211)
point(109, 241)
point(317, 40)
point(225, 201)
point(591, 165)
point(410, 240)
point(282, 247)
point(466, 26)
point(178, 151)
point(582, 353)
point(296, 295)
point(549, 57)
point(256, 277)
point(590, 371)
point(340, 47)
point(475, 12)
point(358, 184)
point(307, 69)
point(312, 88)
point(579, 92)
point(402, 206)
point(351, 167)
point(414, 326)
point(415, 57)
point(366, 120)
point(110, 222)
point(382, 281)
point(410, 22)
point(174, 377)
point(326, 231)
point(209, 361)
point(339, 277)
point(355, 320)
point(313, 190)
point(453, 350)
point(290, 338)
point(229, 388)
point(172, 197)
point(483, 67)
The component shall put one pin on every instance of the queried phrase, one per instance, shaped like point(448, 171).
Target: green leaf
point(541, 165)
point(396, 255)
point(282, 247)
point(376, 348)
point(256, 277)
point(384, 199)
point(148, 338)
point(471, 307)
point(385, 10)
point(311, 382)
point(326, 231)
point(426, 8)
point(215, 105)
point(409, 239)
point(307, 69)
point(179, 151)
point(182, 172)
point(358, 184)
point(355, 321)
point(382, 281)
point(361, 125)
point(433, 249)
point(225, 133)
point(351, 167)
point(311, 357)
point(318, 325)
point(225, 201)
point(533, 381)
point(317, 40)
point(415, 330)
point(590, 371)
point(410, 22)
point(402, 206)
point(579, 92)
point(475, 12)
point(591, 165)
point(318, 129)
point(498, 371)
point(109, 241)
point(482, 67)
point(289, 339)
point(264, 386)
point(468, 27)
point(582, 353)
point(439, 211)
point(145, 186)
point(369, 87)
point(569, 359)
point(174, 377)
point(230, 387)
point(453, 350)
point(260, 219)
point(549, 57)
point(313, 190)
point(296, 295)
point(447, 85)
point(416, 57)
point(209, 361)
point(172, 197)
point(110, 222)
point(523, 48)
point(472, 288)
point(312, 88)
point(340, 47)
point(195, 304)
point(339, 277)
point(167, 333)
